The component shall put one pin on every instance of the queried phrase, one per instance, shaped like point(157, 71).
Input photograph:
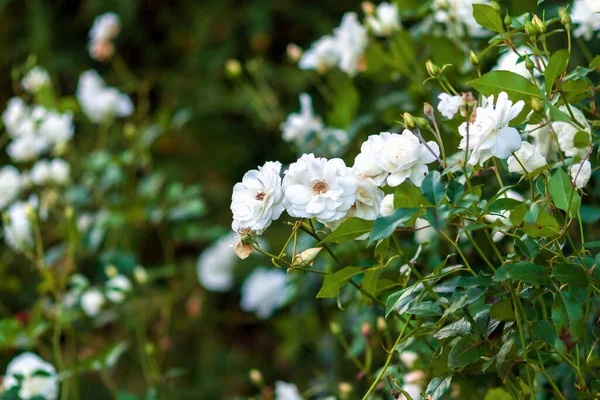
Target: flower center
point(320, 187)
point(260, 196)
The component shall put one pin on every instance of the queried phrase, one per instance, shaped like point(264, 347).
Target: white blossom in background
point(424, 232)
point(543, 139)
point(258, 199)
point(298, 126)
point(457, 15)
point(527, 156)
point(322, 55)
point(99, 102)
point(509, 61)
point(18, 232)
point(409, 358)
point(117, 288)
point(586, 15)
point(35, 79)
point(264, 291)
point(412, 389)
point(352, 42)
point(503, 216)
point(215, 266)
point(34, 377)
point(581, 173)
point(386, 207)
point(26, 148)
point(92, 301)
point(11, 183)
point(368, 199)
point(566, 131)
point(343, 50)
point(490, 135)
point(56, 171)
point(15, 114)
point(56, 129)
point(365, 163)
point(449, 105)
point(319, 188)
point(386, 19)
point(404, 157)
point(286, 391)
point(104, 29)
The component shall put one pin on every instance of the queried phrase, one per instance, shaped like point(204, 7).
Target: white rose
point(105, 27)
point(18, 232)
point(32, 384)
point(509, 61)
point(368, 199)
point(365, 163)
point(54, 171)
point(586, 14)
point(490, 134)
point(319, 188)
point(543, 139)
point(56, 129)
point(404, 157)
point(11, 183)
point(387, 205)
point(321, 56)
point(566, 132)
point(449, 105)
point(215, 266)
point(581, 173)
point(386, 19)
point(286, 391)
point(527, 156)
point(36, 78)
point(258, 199)
point(99, 102)
point(264, 291)
point(92, 301)
point(352, 40)
point(298, 126)
point(424, 233)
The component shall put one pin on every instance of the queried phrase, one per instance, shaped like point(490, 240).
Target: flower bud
point(149, 348)
point(140, 274)
point(432, 69)
point(381, 325)
point(294, 52)
point(366, 329)
point(473, 58)
point(530, 30)
point(242, 250)
point(255, 377)
point(307, 256)
point(507, 20)
point(495, 5)
point(421, 122)
point(111, 271)
point(540, 25)
point(409, 121)
point(368, 8)
point(428, 110)
point(345, 388)
point(233, 68)
point(537, 105)
point(529, 64)
point(335, 328)
point(565, 18)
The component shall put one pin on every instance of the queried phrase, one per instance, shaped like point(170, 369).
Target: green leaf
point(567, 316)
point(437, 217)
point(397, 300)
point(126, 396)
point(425, 308)
point(503, 311)
point(497, 394)
point(504, 351)
point(369, 283)
point(528, 246)
point(455, 191)
point(517, 87)
point(557, 65)
point(349, 230)
point(408, 195)
point(468, 350)
point(384, 227)
point(581, 139)
point(544, 330)
point(332, 284)
point(522, 271)
point(503, 204)
point(438, 387)
point(488, 17)
point(381, 250)
point(595, 64)
point(433, 188)
point(572, 274)
point(563, 193)
point(461, 327)
point(545, 226)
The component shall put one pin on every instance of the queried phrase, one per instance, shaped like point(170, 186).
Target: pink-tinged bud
point(294, 52)
point(307, 256)
point(102, 50)
point(256, 377)
point(381, 324)
point(368, 8)
point(366, 329)
point(242, 250)
point(428, 110)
